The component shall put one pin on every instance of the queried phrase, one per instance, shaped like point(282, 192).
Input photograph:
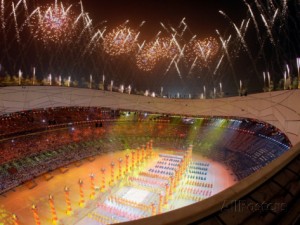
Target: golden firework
point(202, 51)
point(54, 24)
point(121, 40)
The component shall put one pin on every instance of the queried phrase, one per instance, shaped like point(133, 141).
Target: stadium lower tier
point(112, 187)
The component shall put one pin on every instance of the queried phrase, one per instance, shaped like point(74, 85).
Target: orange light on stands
point(15, 219)
point(68, 202)
point(103, 179)
point(127, 163)
point(153, 209)
point(147, 150)
point(184, 160)
point(92, 195)
point(112, 173)
point(143, 153)
point(176, 179)
point(171, 186)
point(180, 169)
point(160, 204)
point(53, 211)
point(120, 167)
point(132, 160)
point(138, 157)
point(35, 215)
point(81, 194)
point(166, 194)
point(151, 148)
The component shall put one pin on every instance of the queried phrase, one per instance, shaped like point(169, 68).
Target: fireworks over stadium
point(63, 40)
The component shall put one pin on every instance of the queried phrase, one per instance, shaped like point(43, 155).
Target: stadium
point(128, 155)
point(154, 114)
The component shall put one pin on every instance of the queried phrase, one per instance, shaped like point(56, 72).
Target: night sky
point(201, 16)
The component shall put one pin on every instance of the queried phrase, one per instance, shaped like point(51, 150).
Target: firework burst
point(121, 40)
point(168, 47)
point(149, 55)
point(203, 51)
point(54, 24)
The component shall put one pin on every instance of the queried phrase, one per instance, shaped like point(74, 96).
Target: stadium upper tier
point(277, 108)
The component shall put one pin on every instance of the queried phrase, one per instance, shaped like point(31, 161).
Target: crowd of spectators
point(244, 146)
point(38, 141)
point(42, 119)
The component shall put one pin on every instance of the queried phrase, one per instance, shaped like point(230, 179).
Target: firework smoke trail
point(181, 53)
point(27, 21)
point(265, 21)
point(142, 23)
point(127, 37)
point(238, 31)
point(193, 38)
point(25, 7)
point(298, 65)
point(174, 31)
point(141, 46)
point(175, 41)
point(245, 45)
point(137, 36)
point(242, 32)
point(203, 55)
point(2, 14)
point(242, 40)
point(98, 35)
point(101, 33)
point(82, 13)
point(284, 8)
point(268, 29)
point(78, 18)
point(274, 17)
point(178, 71)
point(218, 65)
point(246, 27)
point(271, 6)
point(254, 21)
point(193, 65)
point(259, 7)
point(55, 5)
point(88, 24)
point(172, 61)
point(181, 22)
point(65, 12)
point(288, 70)
point(225, 44)
point(18, 4)
point(158, 33)
point(163, 26)
point(28, 17)
point(16, 23)
point(117, 34)
point(184, 29)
